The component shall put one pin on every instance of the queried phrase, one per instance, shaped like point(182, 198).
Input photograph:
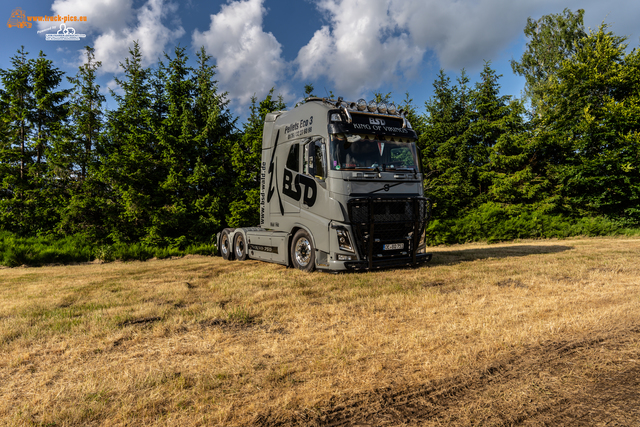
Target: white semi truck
point(341, 189)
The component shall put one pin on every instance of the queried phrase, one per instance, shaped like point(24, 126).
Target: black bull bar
point(388, 230)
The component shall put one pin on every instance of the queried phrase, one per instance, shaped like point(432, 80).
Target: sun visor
point(370, 124)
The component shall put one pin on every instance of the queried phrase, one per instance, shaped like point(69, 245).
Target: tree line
point(562, 160)
point(170, 165)
point(166, 167)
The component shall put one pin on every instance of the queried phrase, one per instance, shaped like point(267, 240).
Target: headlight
point(344, 241)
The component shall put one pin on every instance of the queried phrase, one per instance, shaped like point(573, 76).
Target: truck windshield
point(369, 152)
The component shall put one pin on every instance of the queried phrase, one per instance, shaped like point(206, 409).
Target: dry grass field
point(526, 333)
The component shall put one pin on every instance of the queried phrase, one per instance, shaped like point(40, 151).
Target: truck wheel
point(225, 246)
point(239, 247)
point(303, 254)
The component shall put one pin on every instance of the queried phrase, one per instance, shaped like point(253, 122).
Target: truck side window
point(319, 160)
point(293, 160)
point(314, 159)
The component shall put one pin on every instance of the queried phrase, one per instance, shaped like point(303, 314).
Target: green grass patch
point(42, 250)
point(494, 223)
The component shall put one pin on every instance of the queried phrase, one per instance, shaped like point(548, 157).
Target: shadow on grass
point(463, 255)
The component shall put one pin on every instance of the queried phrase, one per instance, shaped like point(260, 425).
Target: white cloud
point(370, 43)
point(464, 33)
point(249, 61)
point(102, 15)
point(118, 25)
point(361, 49)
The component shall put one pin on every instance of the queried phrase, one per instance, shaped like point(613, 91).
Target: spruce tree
point(48, 191)
point(85, 111)
point(17, 98)
point(177, 152)
point(88, 196)
point(213, 176)
point(552, 39)
point(445, 153)
point(591, 122)
point(17, 156)
point(130, 162)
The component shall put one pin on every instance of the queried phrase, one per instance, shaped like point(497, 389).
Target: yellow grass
point(200, 341)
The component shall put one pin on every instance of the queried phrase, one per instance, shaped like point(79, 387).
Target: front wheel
point(303, 254)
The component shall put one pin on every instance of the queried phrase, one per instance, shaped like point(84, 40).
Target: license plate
point(392, 246)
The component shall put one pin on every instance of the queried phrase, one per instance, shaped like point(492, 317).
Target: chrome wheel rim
point(302, 252)
point(239, 248)
point(225, 245)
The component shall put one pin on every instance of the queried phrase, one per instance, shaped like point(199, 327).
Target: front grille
point(386, 221)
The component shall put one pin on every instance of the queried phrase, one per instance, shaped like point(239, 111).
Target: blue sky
point(352, 47)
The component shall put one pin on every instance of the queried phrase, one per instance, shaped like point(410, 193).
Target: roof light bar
point(364, 106)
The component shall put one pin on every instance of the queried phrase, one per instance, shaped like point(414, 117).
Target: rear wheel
point(225, 246)
point(303, 254)
point(239, 247)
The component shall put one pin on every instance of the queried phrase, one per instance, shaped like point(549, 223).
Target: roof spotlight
point(392, 109)
point(361, 104)
point(382, 108)
point(372, 106)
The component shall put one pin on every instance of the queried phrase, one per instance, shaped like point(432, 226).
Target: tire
point(303, 254)
point(225, 246)
point(239, 247)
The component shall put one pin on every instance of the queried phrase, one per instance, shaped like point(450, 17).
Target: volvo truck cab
point(341, 189)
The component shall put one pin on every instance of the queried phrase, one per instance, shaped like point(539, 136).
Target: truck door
point(290, 187)
point(314, 171)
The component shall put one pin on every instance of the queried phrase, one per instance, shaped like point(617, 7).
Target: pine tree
point(86, 111)
point(213, 176)
point(473, 141)
point(591, 122)
point(552, 39)
point(48, 189)
point(175, 133)
point(50, 109)
point(87, 195)
point(17, 100)
point(445, 154)
point(130, 162)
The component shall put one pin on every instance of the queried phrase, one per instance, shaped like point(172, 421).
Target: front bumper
point(388, 263)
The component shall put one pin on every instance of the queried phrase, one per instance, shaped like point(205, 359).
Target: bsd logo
point(379, 122)
point(293, 187)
